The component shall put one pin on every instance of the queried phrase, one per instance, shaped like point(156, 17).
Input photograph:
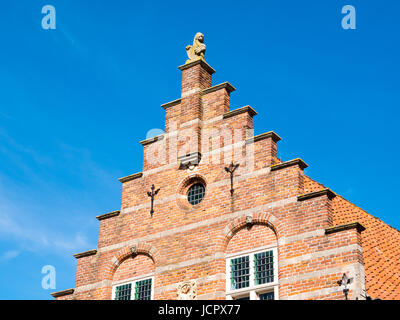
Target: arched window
point(252, 275)
point(134, 279)
point(252, 264)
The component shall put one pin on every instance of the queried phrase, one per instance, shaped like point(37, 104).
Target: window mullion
point(152, 288)
point(228, 275)
point(275, 264)
point(251, 271)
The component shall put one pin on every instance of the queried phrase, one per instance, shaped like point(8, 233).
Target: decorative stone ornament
point(134, 250)
point(197, 50)
point(187, 290)
point(249, 220)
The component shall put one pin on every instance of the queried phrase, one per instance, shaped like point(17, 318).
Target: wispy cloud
point(42, 169)
point(9, 255)
point(33, 237)
point(12, 147)
point(41, 213)
point(84, 163)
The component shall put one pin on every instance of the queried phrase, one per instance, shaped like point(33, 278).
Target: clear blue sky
point(75, 101)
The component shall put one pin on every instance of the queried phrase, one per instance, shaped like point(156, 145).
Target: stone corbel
point(189, 161)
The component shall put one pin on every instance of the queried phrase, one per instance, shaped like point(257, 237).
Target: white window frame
point(133, 281)
point(253, 291)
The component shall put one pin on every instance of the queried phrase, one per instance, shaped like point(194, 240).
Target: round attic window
point(196, 193)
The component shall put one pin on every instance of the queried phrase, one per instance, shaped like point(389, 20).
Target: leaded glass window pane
point(267, 296)
point(123, 292)
point(196, 193)
point(143, 290)
point(264, 267)
point(240, 273)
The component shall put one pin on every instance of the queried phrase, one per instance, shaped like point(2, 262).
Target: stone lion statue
point(197, 50)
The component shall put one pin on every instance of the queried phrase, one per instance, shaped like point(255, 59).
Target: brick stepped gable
point(312, 228)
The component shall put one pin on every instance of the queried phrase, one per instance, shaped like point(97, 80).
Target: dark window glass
point(196, 193)
point(264, 267)
point(143, 290)
point(267, 296)
point(123, 292)
point(240, 273)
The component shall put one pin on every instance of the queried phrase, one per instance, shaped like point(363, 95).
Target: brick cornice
point(289, 163)
point(85, 254)
point(203, 64)
point(131, 177)
point(241, 110)
point(151, 140)
point(324, 192)
point(355, 225)
point(62, 293)
point(262, 136)
point(108, 215)
point(171, 104)
point(225, 85)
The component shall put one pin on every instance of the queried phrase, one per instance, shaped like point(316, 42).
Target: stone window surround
point(252, 291)
point(133, 282)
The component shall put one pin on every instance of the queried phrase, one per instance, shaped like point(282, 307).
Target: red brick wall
point(250, 238)
point(133, 267)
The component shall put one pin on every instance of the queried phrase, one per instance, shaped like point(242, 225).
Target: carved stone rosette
point(187, 290)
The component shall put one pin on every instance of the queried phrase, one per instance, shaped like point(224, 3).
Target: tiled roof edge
point(354, 205)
